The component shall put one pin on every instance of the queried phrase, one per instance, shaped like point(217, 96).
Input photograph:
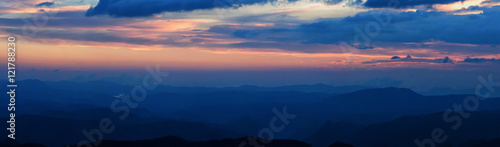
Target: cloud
point(395, 57)
point(142, 8)
point(298, 47)
point(46, 4)
point(403, 27)
point(93, 36)
point(486, 2)
point(67, 22)
point(332, 2)
point(363, 46)
point(404, 3)
point(322, 35)
point(332, 31)
point(479, 60)
point(411, 59)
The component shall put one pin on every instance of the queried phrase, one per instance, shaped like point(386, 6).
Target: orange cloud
point(461, 5)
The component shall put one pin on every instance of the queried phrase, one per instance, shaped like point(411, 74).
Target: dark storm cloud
point(419, 26)
point(141, 8)
point(330, 31)
point(404, 3)
point(46, 4)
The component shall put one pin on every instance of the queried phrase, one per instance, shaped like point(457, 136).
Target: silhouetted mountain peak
point(383, 93)
point(378, 100)
point(389, 90)
point(249, 86)
point(340, 123)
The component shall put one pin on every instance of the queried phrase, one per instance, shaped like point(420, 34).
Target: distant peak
point(320, 84)
point(386, 91)
point(249, 86)
point(396, 89)
point(32, 81)
point(399, 89)
point(339, 123)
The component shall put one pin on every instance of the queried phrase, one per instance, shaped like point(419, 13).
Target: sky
point(340, 42)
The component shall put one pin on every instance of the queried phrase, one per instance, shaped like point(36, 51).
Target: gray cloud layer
point(141, 8)
point(366, 27)
point(46, 4)
point(404, 3)
point(411, 59)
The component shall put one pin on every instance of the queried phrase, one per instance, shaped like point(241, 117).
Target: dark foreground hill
point(404, 131)
point(482, 143)
point(331, 132)
point(171, 141)
point(12, 143)
point(54, 132)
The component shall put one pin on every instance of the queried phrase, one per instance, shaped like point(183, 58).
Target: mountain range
point(373, 117)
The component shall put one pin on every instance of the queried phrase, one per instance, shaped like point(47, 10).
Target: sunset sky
point(348, 37)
